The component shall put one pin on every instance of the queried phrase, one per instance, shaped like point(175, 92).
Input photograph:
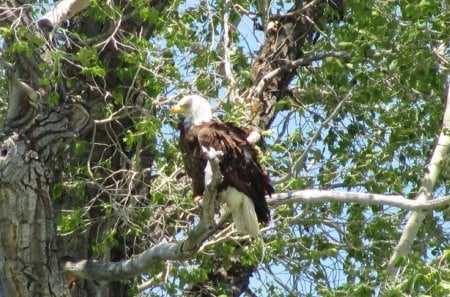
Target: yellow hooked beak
point(177, 109)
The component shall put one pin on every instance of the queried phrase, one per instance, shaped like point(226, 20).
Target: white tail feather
point(242, 210)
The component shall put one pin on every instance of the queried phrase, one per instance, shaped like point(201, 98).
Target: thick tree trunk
point(30, 160)
point(32, 143)
point(36, 136)
point(272, 71)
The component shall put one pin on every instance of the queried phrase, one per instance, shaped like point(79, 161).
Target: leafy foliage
point(126, 188)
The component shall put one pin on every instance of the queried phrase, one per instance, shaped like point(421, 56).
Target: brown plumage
point(246, 176)
point(239, 166)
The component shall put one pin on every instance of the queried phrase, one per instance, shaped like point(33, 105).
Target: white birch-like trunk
point(426, 191)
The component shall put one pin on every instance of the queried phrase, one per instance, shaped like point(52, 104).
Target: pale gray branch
point(320, 196)
point(426, 190)
point(98, 270)
point(226, 44)
point(63, 11)
point(186, 249)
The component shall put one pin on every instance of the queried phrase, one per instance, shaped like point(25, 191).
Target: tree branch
point(22, 98)
point(165, 251)
point(206, 227)
point(97, 270)
point(298, 164)
point(291, 65)
point(226, 45)
point(178, 251)
point(63, 11)
point(426, 190)
point(320, 196)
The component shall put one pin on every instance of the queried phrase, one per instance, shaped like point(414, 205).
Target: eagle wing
point(193, 158)
point(239, 165)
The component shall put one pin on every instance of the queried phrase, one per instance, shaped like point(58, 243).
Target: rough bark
point(35, 140)
point(285, 36)
point(32, 143)
point(30, 163)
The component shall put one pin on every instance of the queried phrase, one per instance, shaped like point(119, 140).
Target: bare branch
point(426, 190)
point(205, 228)
point(98, 270)
point(187, 248)
point(291, 65)
point(320, 196)
point(226, 44)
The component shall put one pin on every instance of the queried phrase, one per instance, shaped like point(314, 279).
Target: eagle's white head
point(195, 108)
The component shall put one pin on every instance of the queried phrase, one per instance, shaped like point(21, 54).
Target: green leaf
point(95, 71)
point(150, 14)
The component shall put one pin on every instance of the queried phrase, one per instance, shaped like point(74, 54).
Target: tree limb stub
point(63, 11)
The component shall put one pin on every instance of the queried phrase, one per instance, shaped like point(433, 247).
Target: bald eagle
point(245, 184)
